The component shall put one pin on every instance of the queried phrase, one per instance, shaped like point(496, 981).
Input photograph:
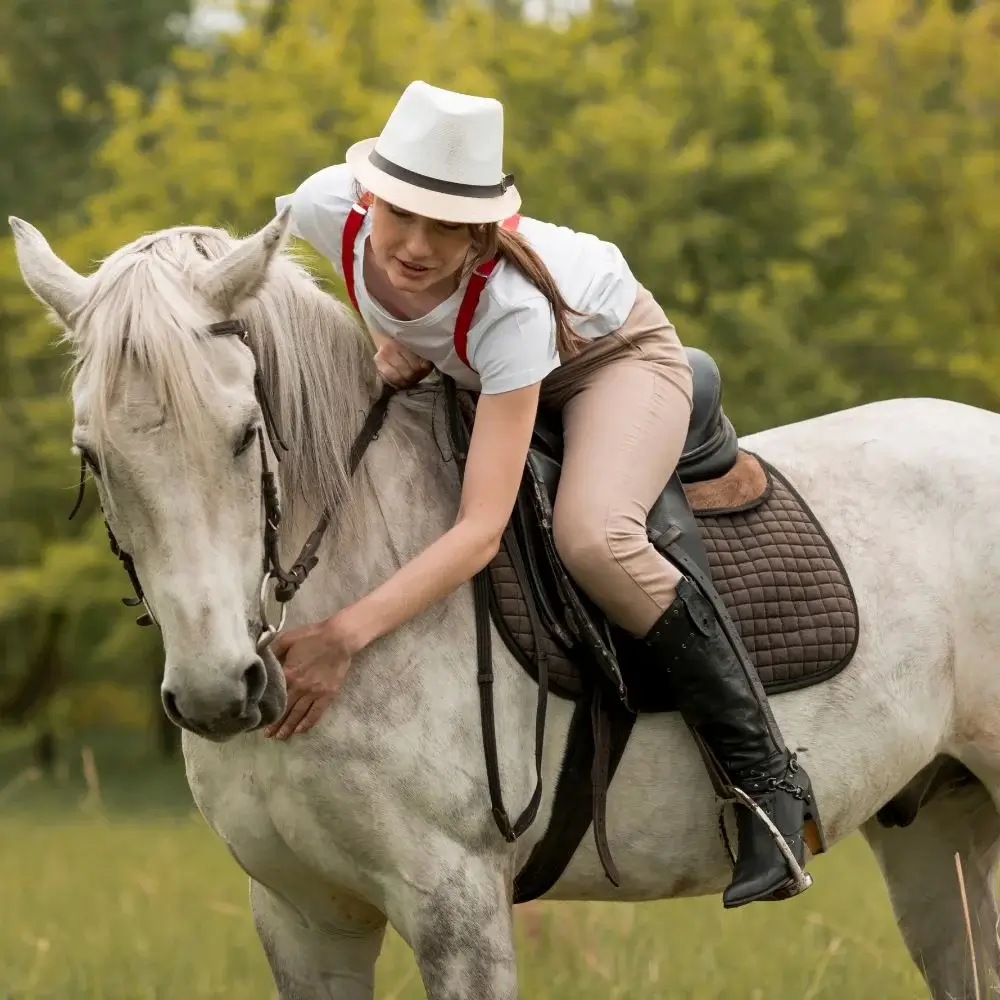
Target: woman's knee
point(614, 562)
point(602, 548)
point(592, 546)
point(578, 539)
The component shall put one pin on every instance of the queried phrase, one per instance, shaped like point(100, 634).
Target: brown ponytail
point(488, 241)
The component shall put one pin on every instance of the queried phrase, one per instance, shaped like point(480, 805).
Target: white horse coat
point(382, 811)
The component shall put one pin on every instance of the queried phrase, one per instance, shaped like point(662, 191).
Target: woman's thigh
point(624, 432)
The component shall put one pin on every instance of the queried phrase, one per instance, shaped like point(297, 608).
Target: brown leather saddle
point(738, 530)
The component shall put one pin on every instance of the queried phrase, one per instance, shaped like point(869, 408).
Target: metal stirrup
point(801, 877)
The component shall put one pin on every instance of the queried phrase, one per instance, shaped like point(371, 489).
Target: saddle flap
point(583, 618)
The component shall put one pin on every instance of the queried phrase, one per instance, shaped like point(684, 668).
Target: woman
point(561, 319)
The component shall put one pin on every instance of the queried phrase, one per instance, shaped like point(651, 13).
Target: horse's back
point(881, 451)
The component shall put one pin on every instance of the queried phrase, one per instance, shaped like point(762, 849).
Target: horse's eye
point(248, 438)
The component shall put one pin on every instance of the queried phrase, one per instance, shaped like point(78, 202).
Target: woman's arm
point(498, 448)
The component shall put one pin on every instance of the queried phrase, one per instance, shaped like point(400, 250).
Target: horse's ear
point(238, 275)
point(48, 276)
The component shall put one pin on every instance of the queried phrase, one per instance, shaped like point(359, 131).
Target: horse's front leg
point(460, 928)
point(332, 960)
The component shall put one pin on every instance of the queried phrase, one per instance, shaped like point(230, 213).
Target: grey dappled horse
point(381, 813)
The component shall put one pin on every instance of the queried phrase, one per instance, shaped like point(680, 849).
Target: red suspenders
point(477, 281)
point(355, 219)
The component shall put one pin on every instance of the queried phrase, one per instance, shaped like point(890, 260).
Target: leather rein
point(286, 581)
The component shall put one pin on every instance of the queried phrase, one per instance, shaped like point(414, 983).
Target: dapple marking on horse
point(382, 811)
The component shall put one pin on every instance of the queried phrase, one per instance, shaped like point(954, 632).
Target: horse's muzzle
point(228, 705)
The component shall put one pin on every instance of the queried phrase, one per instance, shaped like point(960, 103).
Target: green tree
point(922, 306)
point(824, 218)
point(56, 59)
point(695, 136)
point(222, 116)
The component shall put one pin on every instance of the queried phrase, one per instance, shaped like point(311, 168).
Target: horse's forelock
point(145, 307)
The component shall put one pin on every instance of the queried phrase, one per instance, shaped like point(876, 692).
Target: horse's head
point(168, 419)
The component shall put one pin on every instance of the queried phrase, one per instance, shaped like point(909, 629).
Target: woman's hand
point(315, 659)
point(399, 366)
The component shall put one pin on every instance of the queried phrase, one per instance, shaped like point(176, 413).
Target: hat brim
point(421, 201)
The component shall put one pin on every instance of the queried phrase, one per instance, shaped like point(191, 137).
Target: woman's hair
point(489, 240)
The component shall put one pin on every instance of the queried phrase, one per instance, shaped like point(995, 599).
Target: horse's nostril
point(255, 679)
point(170, 706)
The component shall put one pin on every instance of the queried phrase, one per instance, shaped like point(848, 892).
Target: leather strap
point(575, 805)
point(473, 291)
point(459, 435)
point(288, 581)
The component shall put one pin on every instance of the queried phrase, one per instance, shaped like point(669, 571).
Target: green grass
point(122, 893)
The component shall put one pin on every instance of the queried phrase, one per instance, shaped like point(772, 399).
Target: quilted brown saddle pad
point(772, 564)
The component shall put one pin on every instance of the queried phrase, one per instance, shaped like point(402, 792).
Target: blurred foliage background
point(810, 187)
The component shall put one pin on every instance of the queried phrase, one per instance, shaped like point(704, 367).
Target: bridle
point(286, 581)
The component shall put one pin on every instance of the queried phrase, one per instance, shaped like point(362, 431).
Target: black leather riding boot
point(727, 707)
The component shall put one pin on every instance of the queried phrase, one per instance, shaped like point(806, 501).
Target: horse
point(380, 814)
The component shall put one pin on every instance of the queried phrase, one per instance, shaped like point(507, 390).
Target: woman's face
point(415, 252)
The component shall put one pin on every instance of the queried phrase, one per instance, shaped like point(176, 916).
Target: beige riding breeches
point(625, 401)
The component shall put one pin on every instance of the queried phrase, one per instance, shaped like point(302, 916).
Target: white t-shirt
point(511, 342)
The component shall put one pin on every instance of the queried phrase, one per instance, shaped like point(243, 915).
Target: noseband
point(286, 582)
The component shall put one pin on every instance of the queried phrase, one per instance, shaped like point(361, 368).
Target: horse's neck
point(423, 672)
point(404, 496)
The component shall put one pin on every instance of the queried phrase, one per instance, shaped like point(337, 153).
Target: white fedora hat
point(439, 155)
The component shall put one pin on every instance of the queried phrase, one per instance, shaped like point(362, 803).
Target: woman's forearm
point(436, 572)
point(493, 471)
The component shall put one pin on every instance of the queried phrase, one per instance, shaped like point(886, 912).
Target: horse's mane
point(314, 359)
